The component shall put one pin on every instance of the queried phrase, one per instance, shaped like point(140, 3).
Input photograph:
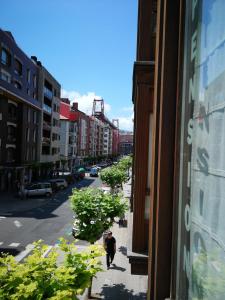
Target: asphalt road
point(52, 220)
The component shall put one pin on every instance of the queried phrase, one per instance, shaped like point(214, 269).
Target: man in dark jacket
point(110, 248)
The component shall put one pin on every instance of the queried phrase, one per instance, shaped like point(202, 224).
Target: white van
point(94, 172)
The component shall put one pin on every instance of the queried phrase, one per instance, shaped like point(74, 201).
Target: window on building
point(34, 135)
point(33, 153)
point(55, 150)
point(27, 134)
point(56, 123)
point(34, 81)
point(5, 57)
point(17, 85)
point(28, 75)
point(5, 76)
point(28, 114)
point(28, 92)
point(10, 155)
point(35, 117)
point(12, 111)
point(18, 67)
point(34, 95)
point(201, 230)
point(11, 134)
point(27, 154)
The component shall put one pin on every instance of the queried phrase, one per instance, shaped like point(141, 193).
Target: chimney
point(34, 58)
point(75, 106)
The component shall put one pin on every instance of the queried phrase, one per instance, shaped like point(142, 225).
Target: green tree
point(125, 163)
point(113, 177)
point(41, 278)
point(95, 212)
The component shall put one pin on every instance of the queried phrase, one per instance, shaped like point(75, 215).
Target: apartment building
point(96, 137)
point(49, 94)
point(107, 140)
point(69, 135)
point(125, 143)
point(20, 113)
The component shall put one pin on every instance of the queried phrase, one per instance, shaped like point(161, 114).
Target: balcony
point(48, 93)
point(11, 139)
point(47, 108)
point(46, 125)
point(46, 141)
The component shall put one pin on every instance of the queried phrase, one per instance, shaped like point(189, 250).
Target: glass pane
point(201, 233)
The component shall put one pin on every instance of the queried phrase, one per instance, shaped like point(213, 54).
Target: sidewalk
point(117, 282)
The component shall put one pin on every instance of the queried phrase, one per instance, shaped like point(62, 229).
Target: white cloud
point(128, 108)
point(126, 123)
point(85, 102)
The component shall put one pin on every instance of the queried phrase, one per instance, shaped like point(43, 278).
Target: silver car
point(60, 183)
point(38, 189)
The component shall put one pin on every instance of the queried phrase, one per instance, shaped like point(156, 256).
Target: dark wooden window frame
point(166, 150)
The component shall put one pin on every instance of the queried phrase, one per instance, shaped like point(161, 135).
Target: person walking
point(110, 248)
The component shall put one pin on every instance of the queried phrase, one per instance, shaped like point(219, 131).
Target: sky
point(89, 46)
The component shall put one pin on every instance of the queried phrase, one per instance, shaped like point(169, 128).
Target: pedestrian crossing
point(6, 245)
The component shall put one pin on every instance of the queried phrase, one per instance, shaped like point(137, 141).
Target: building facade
point(96, 137)
point(69, 135)
point(49, 92)
point(20, 114)
point(178, 191)
point(125, 143)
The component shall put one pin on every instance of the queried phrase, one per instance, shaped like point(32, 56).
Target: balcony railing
point(48, 93)
point(46, 125)
point(47, 108)
point(11, 139)
point(46, 140)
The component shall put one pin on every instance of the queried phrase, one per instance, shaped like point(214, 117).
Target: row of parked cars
point(52, 185)
point(43, 188)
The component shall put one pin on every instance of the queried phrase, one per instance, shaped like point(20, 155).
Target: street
point(47, 222)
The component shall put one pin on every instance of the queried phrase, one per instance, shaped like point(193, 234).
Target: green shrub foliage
point(41, 278)
point(125, 163)
point(113, 176)
point(95, 212)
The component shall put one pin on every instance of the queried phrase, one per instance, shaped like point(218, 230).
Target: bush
point(40, 277)
point(95, 212)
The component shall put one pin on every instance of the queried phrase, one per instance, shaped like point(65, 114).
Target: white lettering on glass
point(194, 4)
point(190, 131)
point(186, 262)
point(194, 45)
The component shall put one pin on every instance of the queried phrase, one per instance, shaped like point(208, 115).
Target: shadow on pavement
point(118, 291)
point(123, 250)
point(10, 251)
point(44, 207)
point(115, 267)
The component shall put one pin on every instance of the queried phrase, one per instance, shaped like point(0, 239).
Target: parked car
point(37, 189)
point(103, 165)
point(105, 189)
point(59, 183)
point(94, 172)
